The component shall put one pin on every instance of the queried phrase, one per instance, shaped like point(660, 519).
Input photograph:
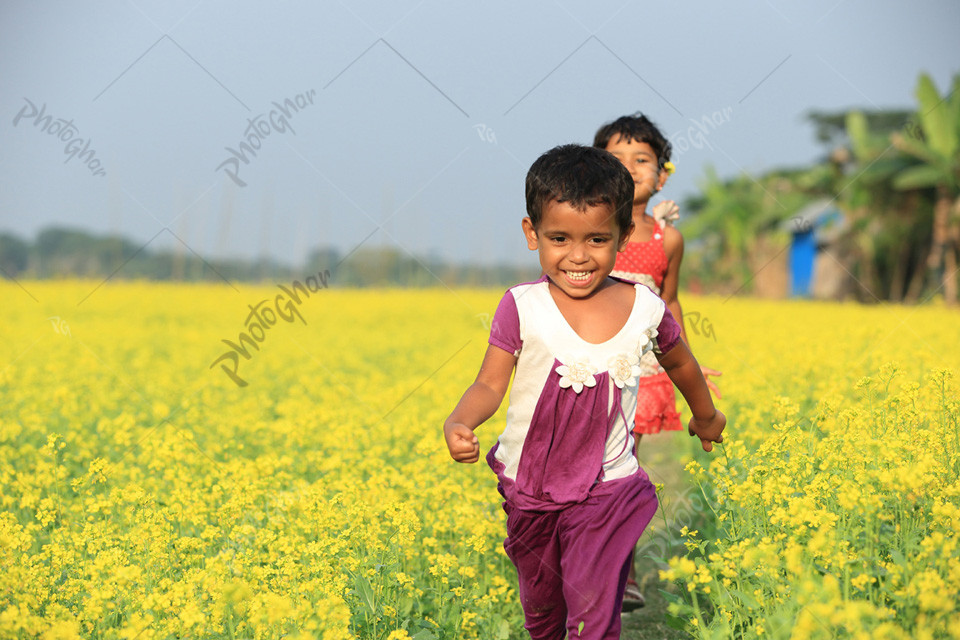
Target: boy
point(575, 497)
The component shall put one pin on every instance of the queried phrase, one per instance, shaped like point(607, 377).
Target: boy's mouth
point(578, 276)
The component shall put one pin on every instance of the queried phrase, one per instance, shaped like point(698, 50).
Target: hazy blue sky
point(418, 120)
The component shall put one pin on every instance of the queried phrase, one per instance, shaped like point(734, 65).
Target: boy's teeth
point(578, 275)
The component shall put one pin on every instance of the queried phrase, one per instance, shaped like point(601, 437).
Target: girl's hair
point(636, 127)
point(582, 177)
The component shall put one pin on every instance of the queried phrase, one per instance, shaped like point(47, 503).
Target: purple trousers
point(572, 563)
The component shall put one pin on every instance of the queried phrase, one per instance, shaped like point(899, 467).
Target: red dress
point(646, 263)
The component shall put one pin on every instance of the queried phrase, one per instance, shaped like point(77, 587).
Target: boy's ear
point(530, 232)
point(625, 236)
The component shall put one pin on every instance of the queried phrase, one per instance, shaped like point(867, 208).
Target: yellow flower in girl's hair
point(670, 167)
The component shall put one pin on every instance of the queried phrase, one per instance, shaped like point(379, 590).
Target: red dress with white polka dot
point(639, 258)
point(646, 262)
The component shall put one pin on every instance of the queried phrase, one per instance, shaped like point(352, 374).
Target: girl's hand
point(462, 442)
point(666, 212)
point(707, 372)
point(709, 430)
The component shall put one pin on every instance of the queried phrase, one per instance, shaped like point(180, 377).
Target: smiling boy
point(575, 497)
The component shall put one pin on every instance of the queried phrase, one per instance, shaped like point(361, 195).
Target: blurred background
point(817, 146)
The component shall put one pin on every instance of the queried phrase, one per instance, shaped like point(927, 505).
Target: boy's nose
point(578, 253)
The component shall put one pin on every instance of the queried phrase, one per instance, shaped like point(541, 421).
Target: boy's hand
point(708, 430)
point(462, 442)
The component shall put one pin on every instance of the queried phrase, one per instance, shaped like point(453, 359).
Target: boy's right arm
point(480, 401)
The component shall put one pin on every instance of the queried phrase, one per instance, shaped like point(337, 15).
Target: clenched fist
point(462, 442)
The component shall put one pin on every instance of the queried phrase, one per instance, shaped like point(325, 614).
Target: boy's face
point(577, 248)
point(641, 162)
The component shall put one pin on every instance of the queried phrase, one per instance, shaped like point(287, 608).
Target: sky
point(410, 124)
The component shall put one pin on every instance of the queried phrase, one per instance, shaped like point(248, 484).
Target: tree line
point(60, 252)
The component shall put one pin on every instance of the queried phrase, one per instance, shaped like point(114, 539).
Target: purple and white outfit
point(575, 497)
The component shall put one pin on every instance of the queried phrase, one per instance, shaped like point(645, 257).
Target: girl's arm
point(480, 401)
point(673, 247)
point(707, 422)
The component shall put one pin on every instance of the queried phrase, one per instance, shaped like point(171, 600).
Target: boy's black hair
point(636, 127)
point(582, 177)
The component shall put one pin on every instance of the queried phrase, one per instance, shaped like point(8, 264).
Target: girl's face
point(641, 162)
point(577, 249)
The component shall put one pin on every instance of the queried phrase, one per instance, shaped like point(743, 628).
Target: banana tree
point(935, 142)
point(880, 217)
point(734, 223)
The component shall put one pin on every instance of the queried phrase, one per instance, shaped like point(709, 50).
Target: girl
point(575, 497)
point(652, 257)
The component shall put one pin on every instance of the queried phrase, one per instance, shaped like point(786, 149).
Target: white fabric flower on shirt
point(577, 375)
point(646, 340)
point(624, 369)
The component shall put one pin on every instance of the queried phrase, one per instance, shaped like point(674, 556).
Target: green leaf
point(503, 632)
point(919, 177)
point(858, 133)
point(676, 623)
point(746, 598)
point(364, 591)
point(423, 634)
point(580, 628)
point(936, 118)
point(671, 597)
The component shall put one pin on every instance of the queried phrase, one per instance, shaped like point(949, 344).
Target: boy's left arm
point(673, 247)
point(707, 422)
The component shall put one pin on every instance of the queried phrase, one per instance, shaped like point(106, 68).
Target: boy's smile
point(577, 249)
point(641, 161)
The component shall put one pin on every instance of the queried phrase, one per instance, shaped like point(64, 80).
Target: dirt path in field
point(659, 456)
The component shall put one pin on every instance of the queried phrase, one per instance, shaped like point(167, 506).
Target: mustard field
point(197, 461)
